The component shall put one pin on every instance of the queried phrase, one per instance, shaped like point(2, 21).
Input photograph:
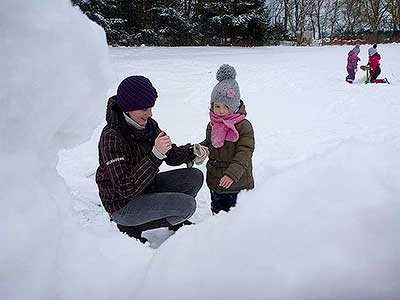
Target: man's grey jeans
point(171, 196)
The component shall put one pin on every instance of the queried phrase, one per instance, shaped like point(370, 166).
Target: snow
point(295, 239)
point(54, 76)
point(321, 223)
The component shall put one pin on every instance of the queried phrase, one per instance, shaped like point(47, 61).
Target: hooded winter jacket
point(352, 60)
point(233, 158)
point(374, 61)
point(127, 164)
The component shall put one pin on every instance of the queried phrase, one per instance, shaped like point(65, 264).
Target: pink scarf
point(223, 128)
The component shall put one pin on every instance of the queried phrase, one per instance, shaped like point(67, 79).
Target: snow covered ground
point(323, 219)
point(322, 223)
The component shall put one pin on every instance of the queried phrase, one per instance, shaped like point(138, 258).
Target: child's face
point(220, 109)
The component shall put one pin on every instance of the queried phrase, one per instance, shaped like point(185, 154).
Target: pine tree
point(229, 22)
point(108, 14)
point(180, 22)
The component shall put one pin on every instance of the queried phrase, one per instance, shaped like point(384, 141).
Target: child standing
point(230, 141)
point(352, 60)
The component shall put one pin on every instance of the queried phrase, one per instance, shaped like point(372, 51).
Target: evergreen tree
point(180, 22)
point(110, 15)
point(234, 22)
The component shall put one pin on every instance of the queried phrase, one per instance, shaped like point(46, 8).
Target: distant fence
point(367, 38)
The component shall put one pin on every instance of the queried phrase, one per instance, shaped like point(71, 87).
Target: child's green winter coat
point(232, 159)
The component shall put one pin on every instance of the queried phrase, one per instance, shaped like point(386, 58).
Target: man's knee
point(188, 206)
point(197, 179)
point(185, 208)
point(198, 175)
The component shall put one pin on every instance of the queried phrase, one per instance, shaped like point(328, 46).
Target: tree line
point(231, 22)
point(327, 19)
point(180, 22)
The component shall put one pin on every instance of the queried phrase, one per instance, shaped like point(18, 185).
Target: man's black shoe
point(179, 225)
point(132, 231)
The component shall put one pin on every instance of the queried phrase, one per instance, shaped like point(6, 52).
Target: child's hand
point(206, 149)
point(226, 182)
point(201, 153)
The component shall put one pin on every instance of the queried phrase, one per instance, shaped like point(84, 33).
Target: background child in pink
point(352, 60)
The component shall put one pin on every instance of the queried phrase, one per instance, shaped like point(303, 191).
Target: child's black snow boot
point(222, 202)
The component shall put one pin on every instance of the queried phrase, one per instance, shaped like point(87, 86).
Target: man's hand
point(163, 143)
point(226, 182)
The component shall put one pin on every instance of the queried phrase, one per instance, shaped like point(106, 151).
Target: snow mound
point(336, 234)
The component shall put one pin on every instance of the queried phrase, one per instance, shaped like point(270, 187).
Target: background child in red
point(375, 67)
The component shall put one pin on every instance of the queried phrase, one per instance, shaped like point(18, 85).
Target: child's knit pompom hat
point(227, 89)
point(356, 49)
point(372, 50)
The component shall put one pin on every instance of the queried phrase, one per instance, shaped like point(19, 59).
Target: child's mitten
point(201, 153)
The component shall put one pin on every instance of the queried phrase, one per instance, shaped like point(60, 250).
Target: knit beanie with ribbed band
point(135, 93)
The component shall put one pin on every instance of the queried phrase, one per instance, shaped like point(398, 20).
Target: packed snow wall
point(54, 76)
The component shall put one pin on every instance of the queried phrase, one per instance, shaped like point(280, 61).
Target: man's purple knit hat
point(135, 93)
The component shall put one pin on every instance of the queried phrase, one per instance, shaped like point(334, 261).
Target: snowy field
point(322, 223)
point(300, 111)
point(323, 219)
